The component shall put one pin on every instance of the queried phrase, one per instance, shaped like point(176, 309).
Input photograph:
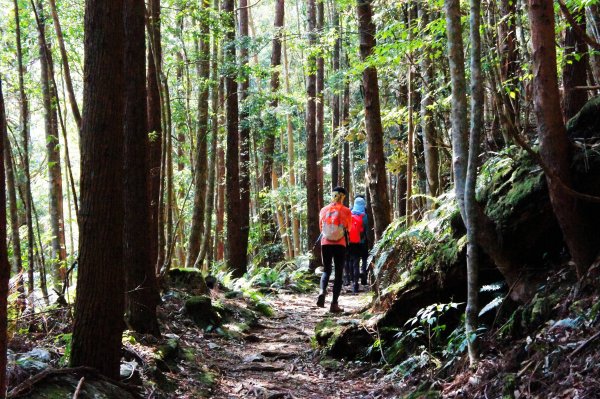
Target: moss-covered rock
point(343, 338)
point(188, 278)
point(201, 311)
point(586, 124)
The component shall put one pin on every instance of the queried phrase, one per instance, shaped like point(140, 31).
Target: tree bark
point(268, 226)
point(507, 43)
point(554, 145)
point(4, 265)
point(154, 126)
point(291, 156)
point(50, 102)
point(335, 102)
point(244, 85)
point(377, 179)
point(17, 267)
point(214, 122)
point(99, 305)
point(200, 161)
point(472, 223)
point(430, 141)
point(319, 111)
point(312, 173)
point(24, 130)
point(233, 241)
point(142, 295)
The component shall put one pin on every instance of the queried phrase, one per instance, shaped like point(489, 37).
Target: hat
point(339, 189)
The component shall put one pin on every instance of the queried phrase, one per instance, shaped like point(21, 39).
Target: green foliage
point(429, 246)
point(66, 340)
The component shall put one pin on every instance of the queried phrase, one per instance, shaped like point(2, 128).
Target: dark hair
point(359, 196)
point(340, 190)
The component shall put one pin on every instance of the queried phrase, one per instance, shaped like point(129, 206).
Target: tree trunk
point(312, 172)
point(154, 125)
point(59, 252)
point(214, 125)
point(100, 286)
point(574, 69)
point(269, 145)
point(4, 265)
point(65, 63)
point(291, 161)
point(345, 123)
point(220, 165)
point(377, 179)
point(24, 130)
point(233, 242)
point(142, 295)
point(507, 43)
point(200, 161)
point(319, 114)
point(335, 102)
point(430, 141)
point(554, 145)
point(244, 84)
point(14, 222)
point(477, 82)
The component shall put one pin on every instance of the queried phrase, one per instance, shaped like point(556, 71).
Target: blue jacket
point(359, 208)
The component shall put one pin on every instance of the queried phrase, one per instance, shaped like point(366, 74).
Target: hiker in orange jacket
point(334, 221)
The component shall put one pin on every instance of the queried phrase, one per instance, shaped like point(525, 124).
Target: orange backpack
point(356, 228)
point(332, 226)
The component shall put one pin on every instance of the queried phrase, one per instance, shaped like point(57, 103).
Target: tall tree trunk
point(200, 161)
point(345, 125)
point(65, 63)
point(233, 241)
point(220, 165)
point(59, 252)
point(291, 157)
point(335, 102)
point(377, 179)
point(24, 128)
point(14, 222)
point(244, 84)
point(99, 305)
point(507, 43)
point(269, 145)
point(312, 173)
point(154, 126)
point(476, 129)
point(430, 141)
point(410, 164)
point(214, 126)
point(142, 295)
point(319, 114)
point(4, 265)
point(574, 69)
point(554, 145)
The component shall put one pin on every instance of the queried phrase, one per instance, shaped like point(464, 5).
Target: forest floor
point(275, 359)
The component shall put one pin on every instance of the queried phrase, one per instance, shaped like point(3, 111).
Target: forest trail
point(277, 360)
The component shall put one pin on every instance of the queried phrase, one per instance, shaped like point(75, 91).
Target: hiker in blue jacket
point(359, 245)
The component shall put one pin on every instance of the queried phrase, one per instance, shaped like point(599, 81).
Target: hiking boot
point(321, 300)
point(355, 288)
point(335, 308)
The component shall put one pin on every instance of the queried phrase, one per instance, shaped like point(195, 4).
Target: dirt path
point(278, 360)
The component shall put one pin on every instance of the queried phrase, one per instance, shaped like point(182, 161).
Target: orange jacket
point(346, 219)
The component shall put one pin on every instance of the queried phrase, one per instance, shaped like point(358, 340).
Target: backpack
point(332, 226)
point(356, 228)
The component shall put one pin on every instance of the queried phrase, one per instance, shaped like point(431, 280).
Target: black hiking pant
point(333, 254)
